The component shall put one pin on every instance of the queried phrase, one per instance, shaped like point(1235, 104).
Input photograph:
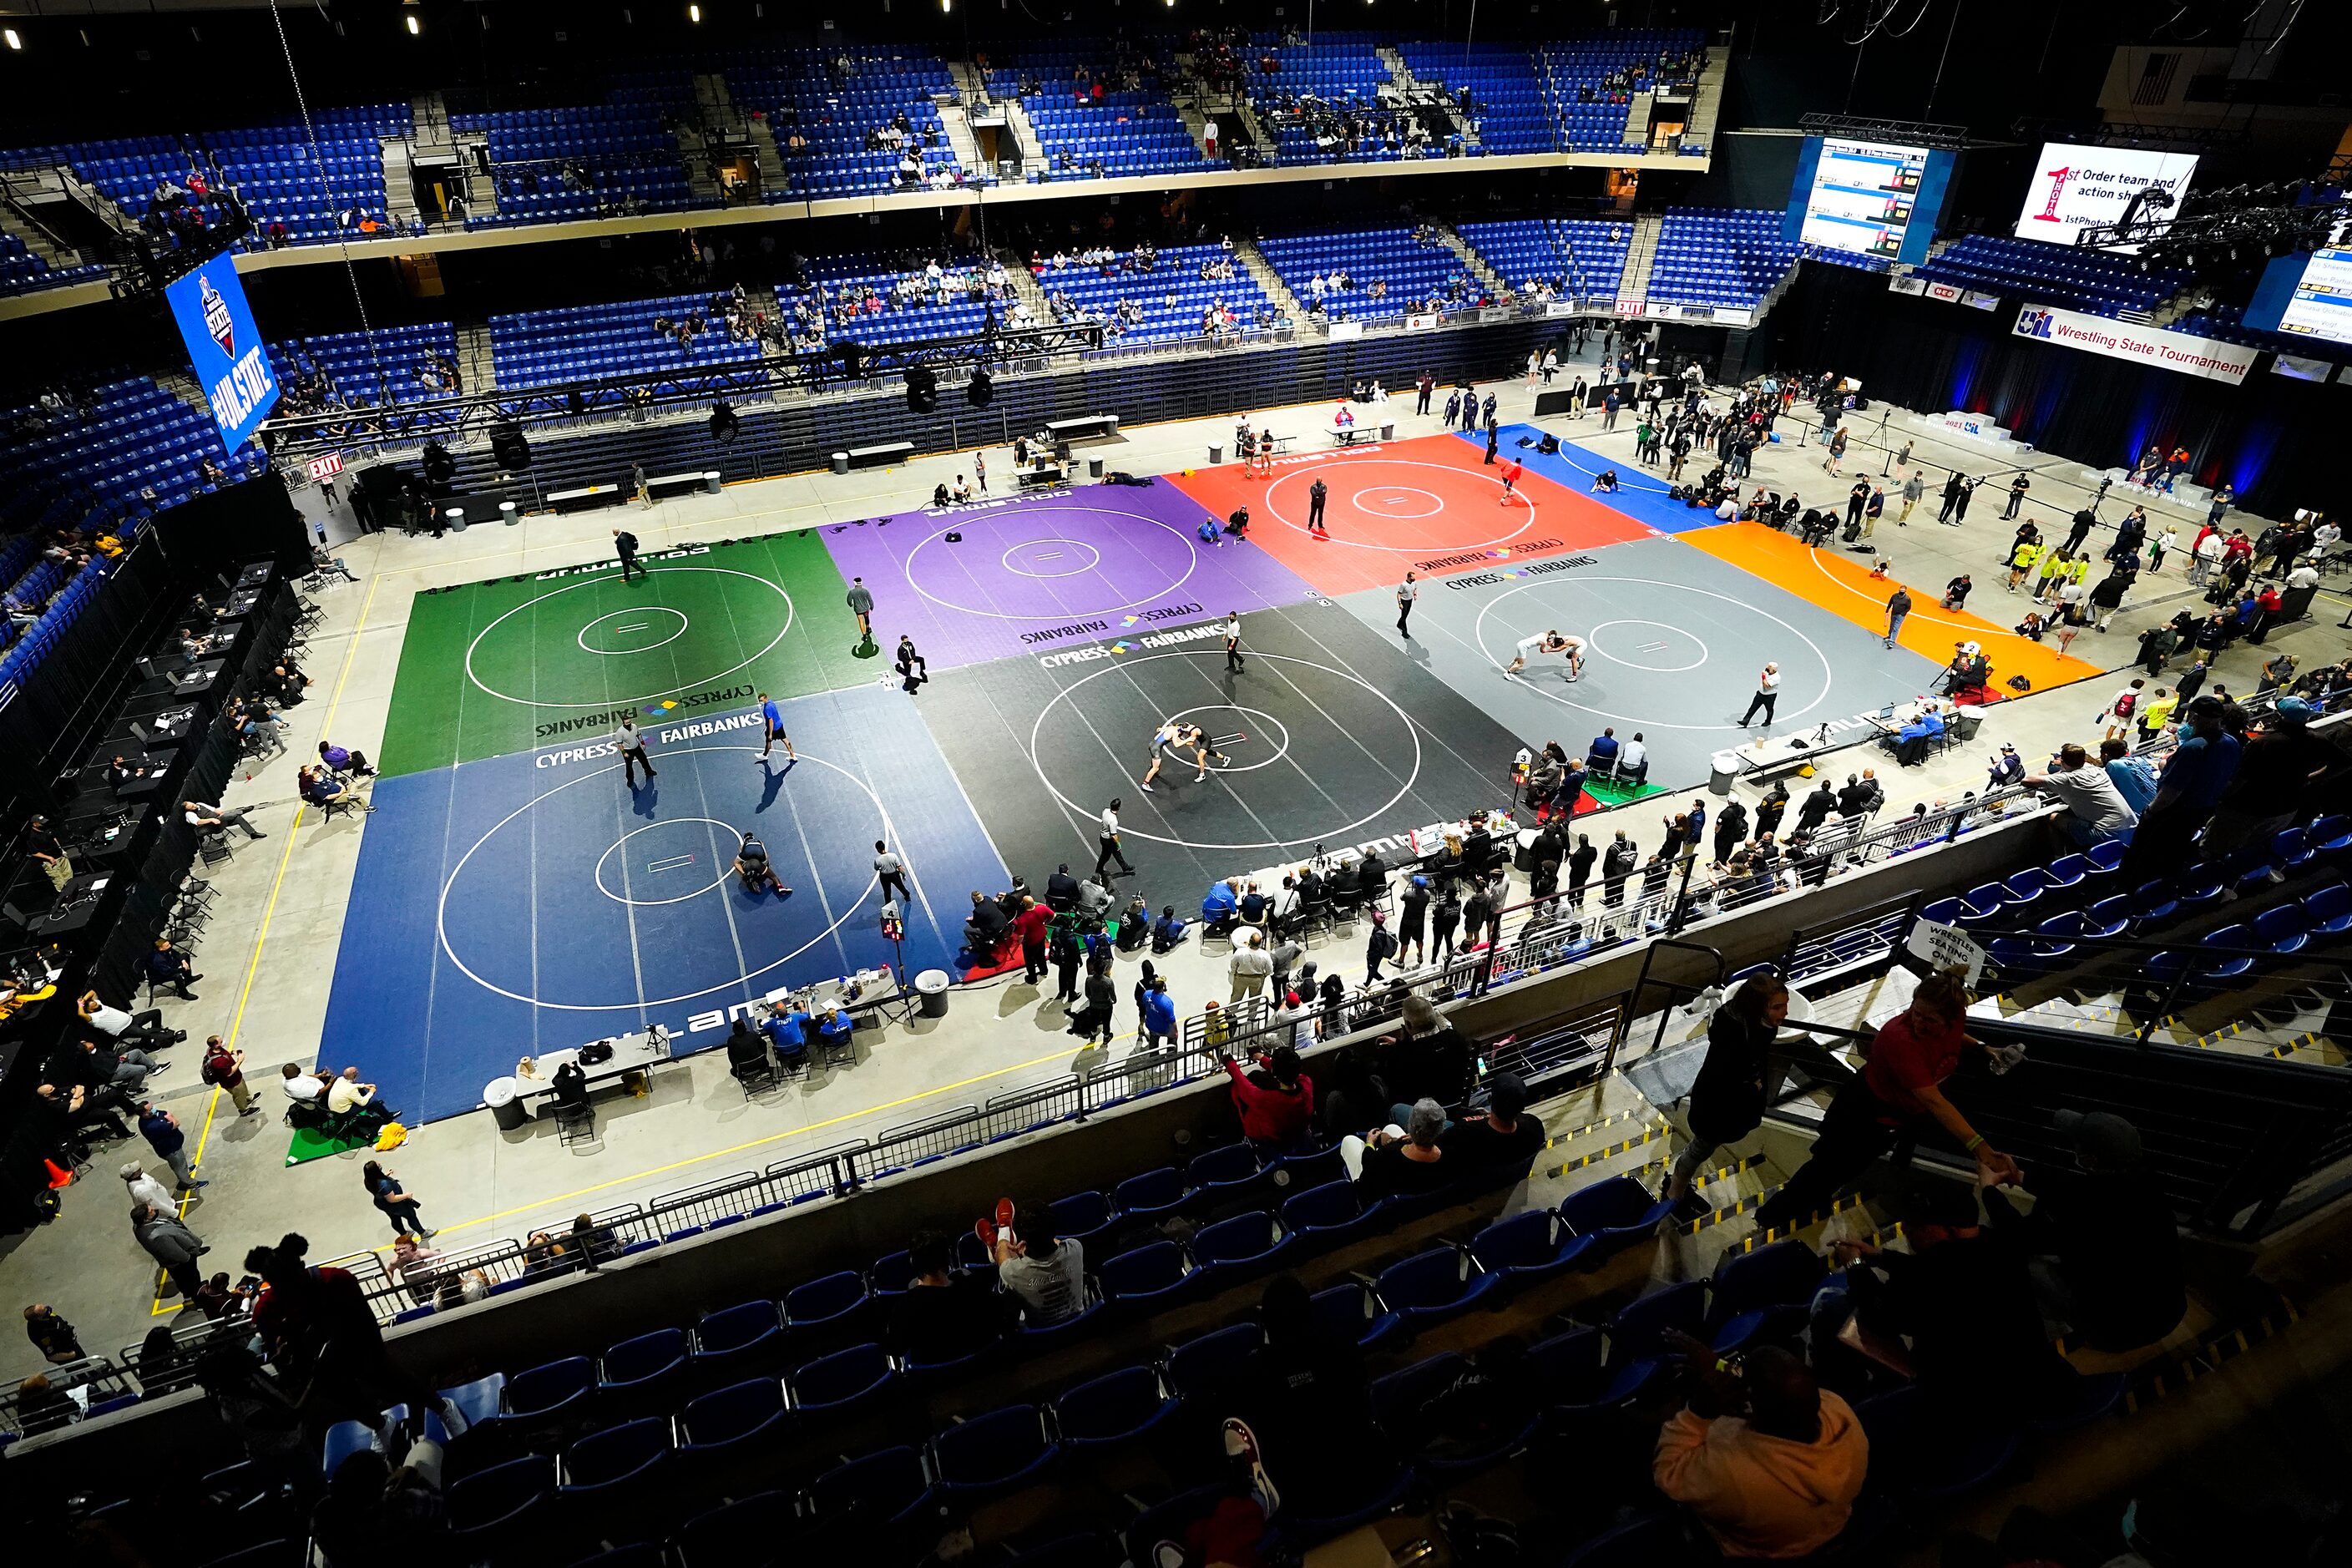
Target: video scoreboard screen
point(2306, 297)
point(1871, 198)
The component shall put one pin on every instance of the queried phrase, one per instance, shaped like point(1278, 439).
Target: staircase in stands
point(716, 108)
point(1259, 267)
point(770, 157)
point(966, 146)
point(37, 239)
point(1634, 288)
point(1707, 103)
point(1497, 288)
point(1024, 135)
point(475, 362)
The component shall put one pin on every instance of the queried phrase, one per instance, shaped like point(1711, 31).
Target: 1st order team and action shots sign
point(225, 349)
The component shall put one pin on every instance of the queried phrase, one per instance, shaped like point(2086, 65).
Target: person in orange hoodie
point(1768, 1460)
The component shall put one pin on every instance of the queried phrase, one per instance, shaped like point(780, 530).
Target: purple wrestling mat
point(1032, 573)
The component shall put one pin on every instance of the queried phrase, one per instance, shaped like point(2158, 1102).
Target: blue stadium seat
point(1147, 1277)
point(1234, 1248)
point(992, 1454)
point(1352, 1310)
point(1117, 1407)
point(644, 1374)
point(845, 1378)
point(725, 1429)
point(1637, 1351)
point(1616, 1214)
point(1330, 1214)
point(1430, 1286)
point(1204, 1367)
point(1762, 1295)
point(890, 1486)
point(1529, 1247)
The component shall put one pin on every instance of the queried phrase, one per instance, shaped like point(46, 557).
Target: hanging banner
point(1905, 283)
point(1975, 300)
point(224, 349)
point(2207, 357)
point(1422, 322)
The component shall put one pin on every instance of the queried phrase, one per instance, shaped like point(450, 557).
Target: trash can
point(841, 462)
point(456, 518)
point(508, 513)
point(502, 1095)
point(1967, 722)
point(710, 482)
point(1094, 467)
point(931, 989)
point(1216, 453)
point(1523, 852)
point(1388, 430)
point(1724, 767)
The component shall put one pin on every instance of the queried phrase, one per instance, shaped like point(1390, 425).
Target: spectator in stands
point(2095, 809)
point(1503, 1137)
point(941, 1315)
point(1429, 1060)
point(1962, 1299)
point(377, 1515)
point(1045, 1273)
point(2190, 785)
point(1737, 1081)
point(1898, 1091)
point(1276, 1101)
point(2104, 1250)
point(126, 1030)
point(1768, 1460)
point(1302, 1395)
point(345, 762)
point(2282, 767)
point(1400, 1161)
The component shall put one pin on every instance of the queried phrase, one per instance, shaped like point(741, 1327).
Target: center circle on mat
point(849, 909)
point(654, 860)
point(1299, 480)
point(1033, 550)
point(1479, 634)
point(1397, 500)
point(621, 631)
point(971, 526)
point(1266, 726)
point(1674, 640)
point(475, 646)
point(1090, 813)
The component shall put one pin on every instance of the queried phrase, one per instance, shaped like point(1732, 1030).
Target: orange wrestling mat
point(1844, 587)
point(1430, 504)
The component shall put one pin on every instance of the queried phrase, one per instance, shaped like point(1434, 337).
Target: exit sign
point(326, 468)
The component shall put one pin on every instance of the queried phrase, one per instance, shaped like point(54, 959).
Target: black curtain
point(1935, 357)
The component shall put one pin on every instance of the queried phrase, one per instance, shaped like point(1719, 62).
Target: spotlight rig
point(2218, 231)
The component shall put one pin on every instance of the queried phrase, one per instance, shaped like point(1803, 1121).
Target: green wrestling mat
point(513, 664)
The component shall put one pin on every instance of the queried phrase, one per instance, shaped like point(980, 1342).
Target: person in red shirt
point(1511, 472)
point(1899, 1090)
point(1276, 1103)
point(1030, 925)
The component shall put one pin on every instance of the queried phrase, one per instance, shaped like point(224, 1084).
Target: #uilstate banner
point(2207, 357)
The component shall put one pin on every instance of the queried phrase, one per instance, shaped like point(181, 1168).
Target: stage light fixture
point(414, 26)
point(15, 40)
point(922, 389)
point(980, 391)
point(694, 13)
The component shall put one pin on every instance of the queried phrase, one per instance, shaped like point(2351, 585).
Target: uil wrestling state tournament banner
point(224, 348)
point(2207, 357)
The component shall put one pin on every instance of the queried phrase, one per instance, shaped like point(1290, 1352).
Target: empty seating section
point(21, 271)
point(531, 348)
point(139, 451)
point(1123, 132)
point(1414, 273)
point(1590, 108)
point(2228, 322)
point(274, 170)
point(552, 165)
point(1167, 303)
point(359, 373)
point(902, 318)
point(1513, 112)
point(825, 119)
point(2051, 275)
point(1576, 258)
point(1719, 256)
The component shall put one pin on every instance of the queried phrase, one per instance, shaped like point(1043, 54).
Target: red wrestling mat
point(1429, 505)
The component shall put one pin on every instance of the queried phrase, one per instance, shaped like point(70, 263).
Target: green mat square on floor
point(309, 1144)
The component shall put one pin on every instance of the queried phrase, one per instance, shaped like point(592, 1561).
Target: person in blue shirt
point(1158, 1016)
point(2135, 777)
point(1600, 751)
point(1211, 531)
point(1219, 904)
point(1167, 930)
point(787, 1029)
point(832, 1029)
point(772, 719)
